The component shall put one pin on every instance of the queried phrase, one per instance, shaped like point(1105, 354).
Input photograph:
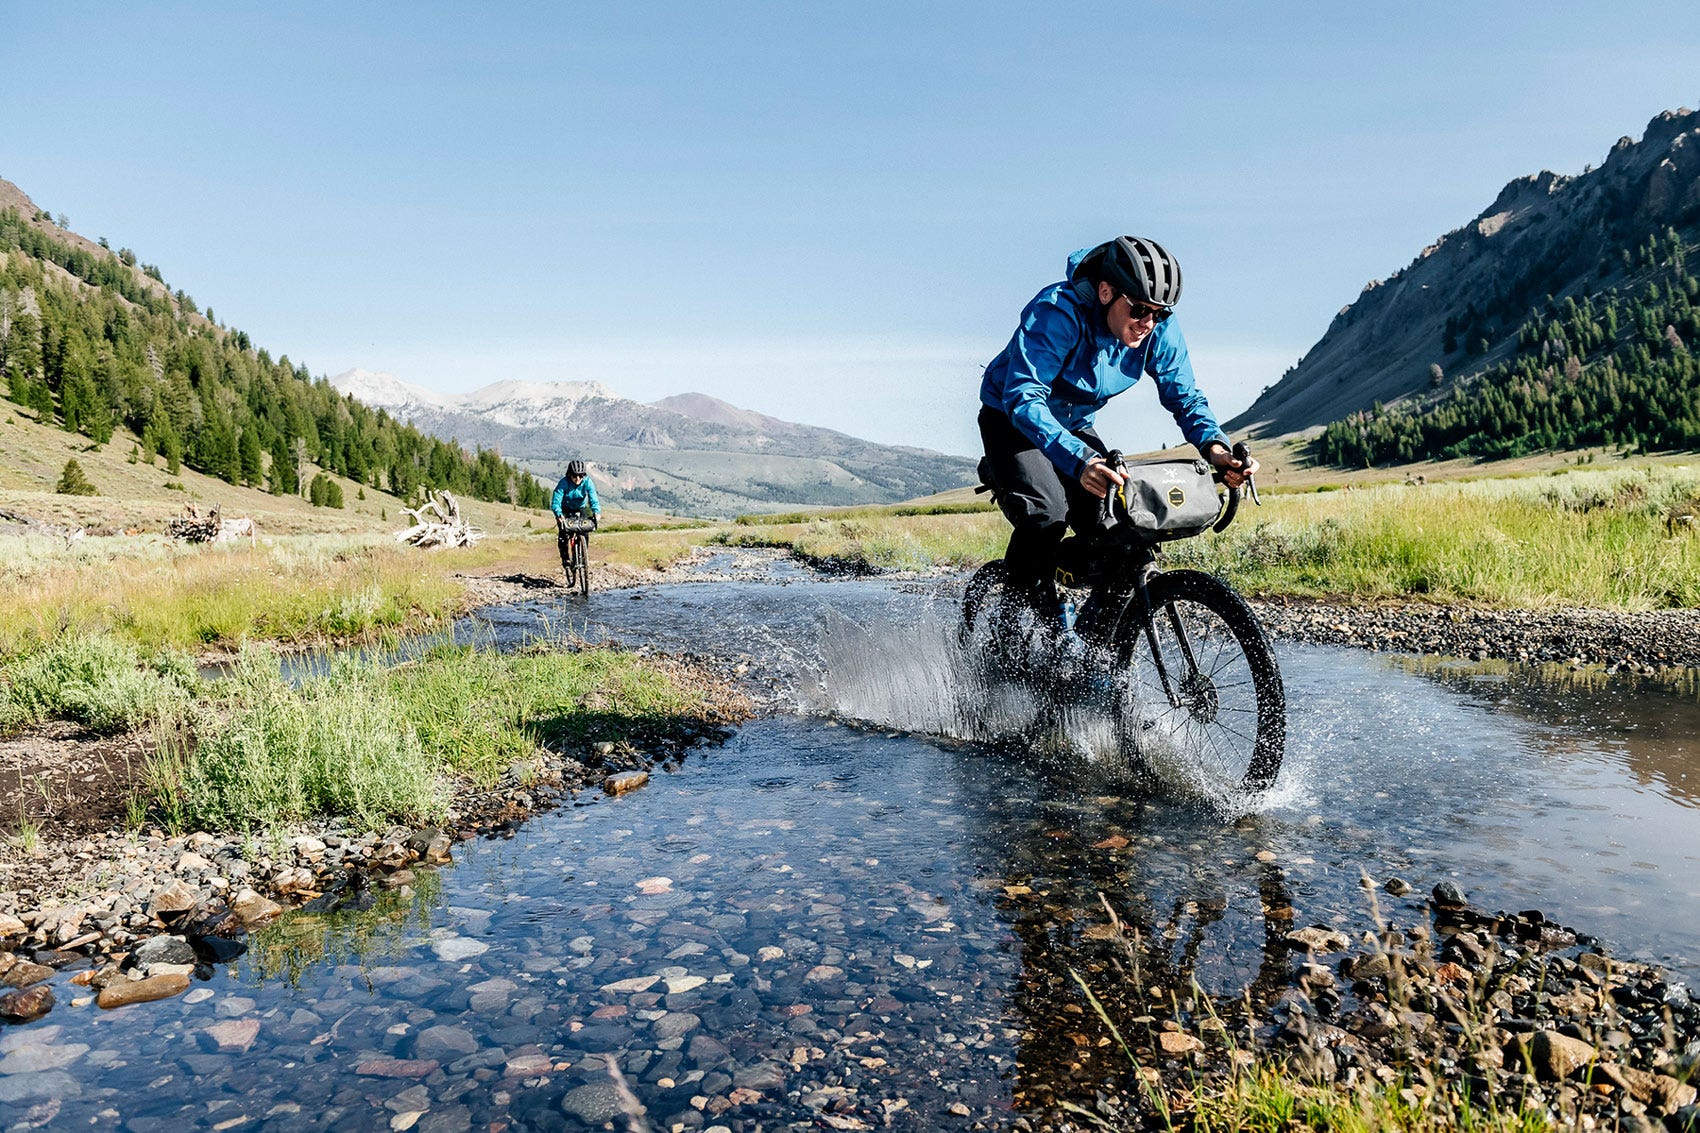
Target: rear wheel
point(998, 621)
point(1224, 710)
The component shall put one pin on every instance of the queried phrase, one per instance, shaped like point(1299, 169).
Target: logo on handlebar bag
point(1177, 498)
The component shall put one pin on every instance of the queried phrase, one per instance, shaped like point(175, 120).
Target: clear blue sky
point(828, 212)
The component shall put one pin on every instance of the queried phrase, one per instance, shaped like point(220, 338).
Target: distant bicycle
point(1178, 654)
point(573, 540)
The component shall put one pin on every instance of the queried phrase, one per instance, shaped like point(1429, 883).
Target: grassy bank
point(158, 593)
point(1619, 539)
point(369, 742)
point(883, 542)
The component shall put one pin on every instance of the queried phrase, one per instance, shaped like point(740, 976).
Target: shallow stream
point(849, 909)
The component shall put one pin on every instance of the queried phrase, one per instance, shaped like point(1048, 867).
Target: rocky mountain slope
point(688, 453)
point(1459, 304)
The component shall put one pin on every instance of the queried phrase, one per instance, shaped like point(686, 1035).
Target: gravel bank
point(1642, 642)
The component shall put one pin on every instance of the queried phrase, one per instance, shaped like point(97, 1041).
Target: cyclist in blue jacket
point(575, 495)
point(1081, 342)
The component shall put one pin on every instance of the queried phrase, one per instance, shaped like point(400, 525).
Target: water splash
point(908, 668)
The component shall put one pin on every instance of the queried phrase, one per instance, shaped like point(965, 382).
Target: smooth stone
point(1555, 1056)
point(622, 783)
point(761, 1076)
point(252, 909)
point(457, 948)
point(26, 1004)
point(593, 1102)
point(397, 1067)
point(121, 993)
point(443, 1042)
point(675, 1025)
point(24, 973)
point(234, 1034)
point(15, 1088)
point(35, 1058)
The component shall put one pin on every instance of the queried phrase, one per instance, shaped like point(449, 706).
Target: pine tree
point(72, 481)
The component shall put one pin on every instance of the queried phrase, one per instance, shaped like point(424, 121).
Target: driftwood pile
point(438, 523)
point(193, 527)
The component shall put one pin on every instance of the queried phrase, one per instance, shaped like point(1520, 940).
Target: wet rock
point(26, 1004)
point(1396, 886)
point(675, 1025)
point(444, 1043)
point(454, 949)
point(122, 992)
point(172, 903)
point(528, 1065)
point(1450, 895)
point(36, 1057)
point(1556, 1056)
point(23, 973)
point(1317, 938)
point(593, 1102)
point(163, 950)
point(16, 1088)
point(397, 1067)
point(217, 949)
point(1178, 1042)
point(234, 1034)
point(761, 1076)
point(625, 782)
point(252, 909)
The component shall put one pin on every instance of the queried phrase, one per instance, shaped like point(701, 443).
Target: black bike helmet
point(1139, 268)
point(575, 468)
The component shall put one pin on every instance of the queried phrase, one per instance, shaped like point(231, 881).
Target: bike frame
point(1125, 584)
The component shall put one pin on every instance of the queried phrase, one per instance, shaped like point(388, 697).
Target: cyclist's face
point(576, 477)
point(1128, 323)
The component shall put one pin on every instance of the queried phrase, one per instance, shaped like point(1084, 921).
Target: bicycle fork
point(1151, 640)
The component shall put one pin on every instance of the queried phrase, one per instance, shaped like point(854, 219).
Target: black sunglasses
point(1140, 311)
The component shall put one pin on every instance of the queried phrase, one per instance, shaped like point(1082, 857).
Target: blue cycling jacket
point(567, 497)
point(1062, 366)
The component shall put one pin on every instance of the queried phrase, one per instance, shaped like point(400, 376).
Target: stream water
point(867, 904)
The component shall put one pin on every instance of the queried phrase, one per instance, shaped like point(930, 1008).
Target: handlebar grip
point(1242, 453)
point(1107, 505)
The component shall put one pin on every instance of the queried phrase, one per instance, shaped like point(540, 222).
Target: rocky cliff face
point(1546, 234)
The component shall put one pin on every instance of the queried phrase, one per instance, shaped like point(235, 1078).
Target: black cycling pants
point(1038, 499)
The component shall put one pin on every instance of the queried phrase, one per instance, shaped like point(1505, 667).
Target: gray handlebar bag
point(1171, 499)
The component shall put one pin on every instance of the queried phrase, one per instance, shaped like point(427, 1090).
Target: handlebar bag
point(571, 526)
point(1170, 499)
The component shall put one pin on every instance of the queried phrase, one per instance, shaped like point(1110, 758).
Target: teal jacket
point(1062, 366)
point(567, 498)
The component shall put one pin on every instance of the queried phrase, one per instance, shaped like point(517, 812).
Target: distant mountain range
point(689, 453)
point(1464, 305)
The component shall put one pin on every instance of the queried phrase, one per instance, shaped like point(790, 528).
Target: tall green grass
point(1608, 539)
point(1583, 538)
point(98, 680)
point(379, 744)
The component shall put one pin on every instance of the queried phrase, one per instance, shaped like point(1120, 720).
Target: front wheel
point(1223, 708)
point(581, 560)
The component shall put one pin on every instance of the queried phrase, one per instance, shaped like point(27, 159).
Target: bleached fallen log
point(438, 523)
point(233, 529)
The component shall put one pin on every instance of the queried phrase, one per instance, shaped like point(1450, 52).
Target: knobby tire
point(1234, 708)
